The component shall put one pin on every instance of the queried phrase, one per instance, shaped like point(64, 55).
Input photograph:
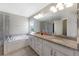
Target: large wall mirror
point(61, 23)
point(55, 27)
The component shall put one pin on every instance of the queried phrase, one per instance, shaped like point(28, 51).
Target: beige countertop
point(58, 40)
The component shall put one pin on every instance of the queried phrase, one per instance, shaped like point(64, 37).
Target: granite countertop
point(63, 41)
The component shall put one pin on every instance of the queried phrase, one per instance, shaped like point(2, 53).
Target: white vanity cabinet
point(46, 48)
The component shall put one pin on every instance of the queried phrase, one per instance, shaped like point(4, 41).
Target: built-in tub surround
point(58, 40)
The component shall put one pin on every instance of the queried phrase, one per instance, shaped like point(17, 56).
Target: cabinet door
point(35, 41)
point(31, 41)
point(46, 49)
point(38, 46)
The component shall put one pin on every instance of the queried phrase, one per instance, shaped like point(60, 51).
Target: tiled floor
point(23, 52)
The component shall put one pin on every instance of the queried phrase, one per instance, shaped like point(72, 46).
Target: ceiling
point(30, 9)
point(23, 9)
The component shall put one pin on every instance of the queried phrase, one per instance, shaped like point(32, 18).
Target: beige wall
point(18, 24)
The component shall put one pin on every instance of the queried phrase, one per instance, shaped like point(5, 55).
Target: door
point(64, 27)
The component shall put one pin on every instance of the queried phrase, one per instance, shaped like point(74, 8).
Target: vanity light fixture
point(38, 16)
point(68, 4)
point(53, 9)
point(60, 6)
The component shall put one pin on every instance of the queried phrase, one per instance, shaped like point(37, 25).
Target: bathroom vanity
point(45, 45)
point(61, 38)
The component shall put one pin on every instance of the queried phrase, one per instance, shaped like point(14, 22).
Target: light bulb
point(38, 16)
point(53, 9)
point(60, 6)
